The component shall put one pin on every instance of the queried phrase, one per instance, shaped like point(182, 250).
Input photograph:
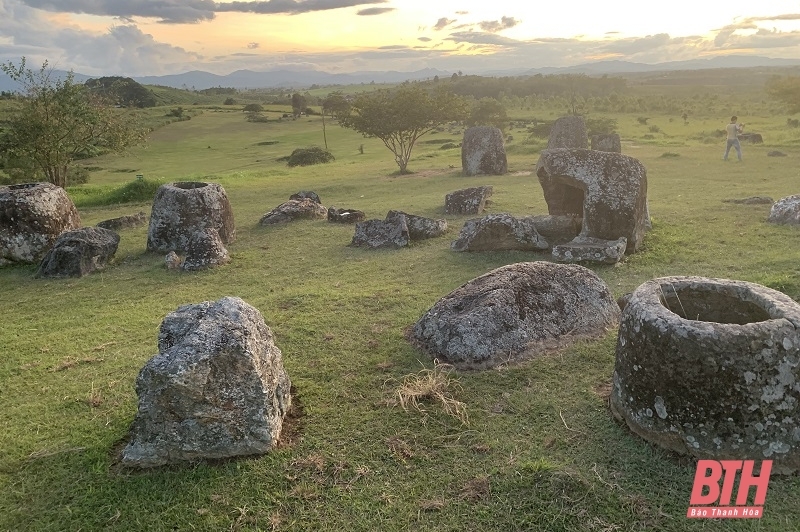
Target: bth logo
point(707, 489)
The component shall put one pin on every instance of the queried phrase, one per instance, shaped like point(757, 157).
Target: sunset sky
point(142, 37)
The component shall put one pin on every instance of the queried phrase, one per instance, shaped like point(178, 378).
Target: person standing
point(733, 130)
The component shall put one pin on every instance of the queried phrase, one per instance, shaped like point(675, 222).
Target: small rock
point(375, 234)
point(124, 222)
point(306, 194)
point(419, 227)
point(304, 209)
point(588, 249)
point(785, 211)
point(499, 232)
point(345, 216)
point(467, 201)
point(172, 260)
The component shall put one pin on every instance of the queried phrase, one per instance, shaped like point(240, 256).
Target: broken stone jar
point(709, 368)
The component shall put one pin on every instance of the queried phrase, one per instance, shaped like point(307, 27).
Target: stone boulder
point(216, 389)
point(172, 261)
point(345, 216)
point(785, 211)
point(607, 142)
point(419, 227)
point(753, 138)
point(306, 194)
point(499, 232)
point(608, 190)
point(124, 222)
point(205, 250)
point(375, 234)
point(568, 132)
point(467, 201)
point(79, 252)
point(32, 215)
point(588, 249)
point(304, 209)
point(516, 312)
point(483, 151)
point(182, 209)
point(711, 368)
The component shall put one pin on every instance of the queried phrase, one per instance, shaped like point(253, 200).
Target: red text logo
point(712, 498)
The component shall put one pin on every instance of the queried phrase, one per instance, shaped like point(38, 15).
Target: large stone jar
point(183, 209)
point(709, 368)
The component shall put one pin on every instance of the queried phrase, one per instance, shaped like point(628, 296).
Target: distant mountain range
point(248, 79)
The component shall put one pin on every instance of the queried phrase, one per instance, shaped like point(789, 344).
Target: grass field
point(541, 450)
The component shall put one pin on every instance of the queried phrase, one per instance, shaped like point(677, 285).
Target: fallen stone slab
point(467, 201)
point(79, 252)
point(382, 234)
point(419, 227)
point(304, 209)
point(499, 232)
point(124, 222)
point(216, 389)
point(514, 313)
point(345, 216)
point(588, 249)
point(556, 229)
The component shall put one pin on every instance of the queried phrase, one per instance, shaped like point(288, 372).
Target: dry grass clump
point(432, 385)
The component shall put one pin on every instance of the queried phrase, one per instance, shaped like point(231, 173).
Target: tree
point(298, 103)
point(787, 90)
point(400, 117)
point(335, 104)
point(59, 120)
point(488, 112)
point(123, 91)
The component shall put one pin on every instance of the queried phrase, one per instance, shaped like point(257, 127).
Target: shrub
point(654, 129)
point(178, 112)
point(141, 190)
point(642, 120)
point(600, 125)
point(309, 156)
point(229, 101)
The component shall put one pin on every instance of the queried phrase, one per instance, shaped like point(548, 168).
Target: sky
point(155, 37)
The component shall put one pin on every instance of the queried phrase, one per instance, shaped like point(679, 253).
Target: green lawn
point(540, 452)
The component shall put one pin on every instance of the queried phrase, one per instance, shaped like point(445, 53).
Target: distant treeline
point(538, 85)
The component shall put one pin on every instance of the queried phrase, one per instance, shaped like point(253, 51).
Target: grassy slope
point(541, 451)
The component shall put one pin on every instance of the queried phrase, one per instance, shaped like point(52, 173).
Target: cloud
point(462, 12)
point(424, 39)
point(374, 11)
point(253, 45)
point(477, 37)
point(493, 26)
point(191, 11)
point(442, 23)
point(393, 47)
point(638, 44)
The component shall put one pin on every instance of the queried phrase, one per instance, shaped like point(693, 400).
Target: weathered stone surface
point(304, 209)
point(172, 261)
point(785, 211)
point(419, 227)
point(609, 190)
point(499, 232)
point(375, 234)
point(607, 142)
point(709, 368)
point(483, 151)
point(516, 312)
point(303, 194)
point(776, 153)
point(124, 222)
point(345, 216)
point(753, 138)
point(568, 132)
point(32, 215)
point(181, 209)
point(557, 229)
point(752, 200)
point(79, 252)
point(216, 389)
point(467, 201)
point(205, 250)
point(588, 249)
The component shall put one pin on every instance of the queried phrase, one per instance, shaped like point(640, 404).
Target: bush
point(309, 156)
point(229, 101)
point(654, 129)
point(600, 125)
point(177, 112)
